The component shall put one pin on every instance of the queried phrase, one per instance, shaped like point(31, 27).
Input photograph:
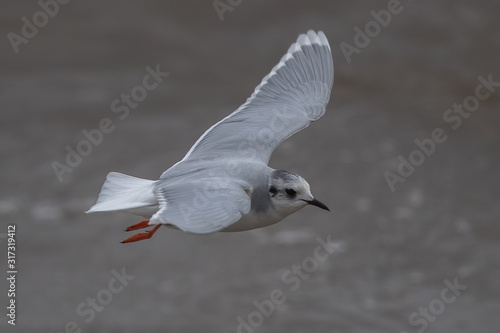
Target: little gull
point(224, 183)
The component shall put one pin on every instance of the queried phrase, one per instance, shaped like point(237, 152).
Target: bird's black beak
point(317, 203)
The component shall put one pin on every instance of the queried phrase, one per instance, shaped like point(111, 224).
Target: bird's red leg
point(140, 225)
point(142, 235)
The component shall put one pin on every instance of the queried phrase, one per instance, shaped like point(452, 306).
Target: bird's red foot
point(140, 225)
point(143, 235)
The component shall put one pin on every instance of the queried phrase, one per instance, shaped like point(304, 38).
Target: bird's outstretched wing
point(293, 94)
point(201, 205)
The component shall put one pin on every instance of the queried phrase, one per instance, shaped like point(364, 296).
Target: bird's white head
point(289, 192)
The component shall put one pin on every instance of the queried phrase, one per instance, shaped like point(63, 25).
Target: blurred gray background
point(393, 251)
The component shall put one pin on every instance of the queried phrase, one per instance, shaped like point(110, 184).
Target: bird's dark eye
point(273, 190)
point(290, 192)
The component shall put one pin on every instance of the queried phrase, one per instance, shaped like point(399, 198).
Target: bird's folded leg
point(140, 225)
point(143, 235)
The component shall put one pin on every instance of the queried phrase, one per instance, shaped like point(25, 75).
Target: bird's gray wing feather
point(293, 94)
point(201, 205)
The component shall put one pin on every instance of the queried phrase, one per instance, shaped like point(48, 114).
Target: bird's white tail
point(123, 192)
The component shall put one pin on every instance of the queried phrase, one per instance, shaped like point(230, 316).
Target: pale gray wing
point(295, 93)
point(201, 205)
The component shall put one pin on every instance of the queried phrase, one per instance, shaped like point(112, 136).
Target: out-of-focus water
point(393, 251)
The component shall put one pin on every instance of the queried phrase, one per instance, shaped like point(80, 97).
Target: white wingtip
point(323, 39)
point(313, 37)
point(309, 38)
point(304, 40)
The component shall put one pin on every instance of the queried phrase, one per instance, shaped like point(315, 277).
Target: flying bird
point(224, 182)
